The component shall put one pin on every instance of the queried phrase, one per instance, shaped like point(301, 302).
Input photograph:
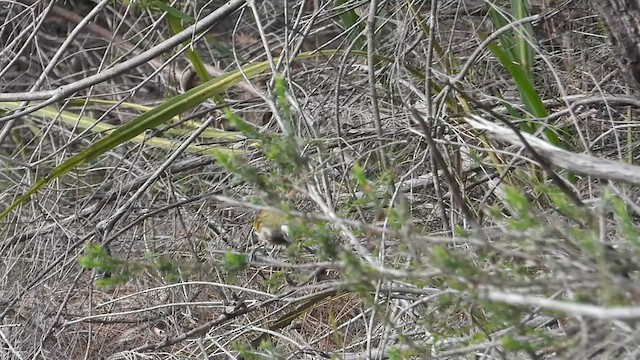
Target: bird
point(270, 228)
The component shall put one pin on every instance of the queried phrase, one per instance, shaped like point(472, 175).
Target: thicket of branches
point(457, 176)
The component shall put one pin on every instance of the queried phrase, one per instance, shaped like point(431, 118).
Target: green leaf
point(149, 120)
point(173, 12)
point(532, 101)
point(359, 176)
point(506, 39)
point(524, 35)
point(350, 20)
point(194, 58)
point(528, 94)
point(513, 345)
point(234, 262)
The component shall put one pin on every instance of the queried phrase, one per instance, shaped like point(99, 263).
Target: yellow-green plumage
point(270, 228)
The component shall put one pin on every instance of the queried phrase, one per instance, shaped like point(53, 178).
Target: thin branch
point(52, 96)
point(578, 163)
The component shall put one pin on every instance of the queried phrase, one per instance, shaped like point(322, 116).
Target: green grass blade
point(149, 120)
point(194, 57)
point(350, 20)
point(86, 122)
point(163, 114)
point(173, 12)
point(524, 36)
point(506, 39)
point(448, 62)
point(528, 94)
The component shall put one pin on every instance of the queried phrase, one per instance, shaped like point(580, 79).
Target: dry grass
point(448, 242)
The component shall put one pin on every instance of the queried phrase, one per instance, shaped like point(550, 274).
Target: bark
point(622, 18)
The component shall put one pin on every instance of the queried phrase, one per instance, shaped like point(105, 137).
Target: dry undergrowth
point(487, 256)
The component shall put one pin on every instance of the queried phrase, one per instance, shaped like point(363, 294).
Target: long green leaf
point(532, 101)
point(528, 93)
point(524, 36)
point(149, 120)
point(173, 12)
point(350, 20)
point(506, 39)
point(194, 58)
point(163, 114)
point(86, 122)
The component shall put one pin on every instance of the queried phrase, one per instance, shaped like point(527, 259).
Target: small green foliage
point(283, 151)
point(478, 338)
point(246, 352)
point(333, 324)
point(286, 153)
point(586, 239)
point(271, 351)
point(446, 300)
point(399, 214)
point(449, 261)
point(512, 344)
point(276, 280)
point(324, 237)
point(583, 298)
point(228, 161)
point(95, 256)
point(354, 269)
point(168, 268)
point(396, 354)
point(376, 194)
point(623, 218)
point(497, 212)
point(360, 177)
point(243, 126)
point(113, 280)
point(496, 316)
point(612, 296)
point(386, 178)
point(393, 218)
point(234, 262)
point(305, 233)
point(522, 219)
point(294, 250)
point(563, 203)
point(516, 200)
point(244, 171)
point(460, 231)
point(283, 103)
point(112, 271)
point(443, 257)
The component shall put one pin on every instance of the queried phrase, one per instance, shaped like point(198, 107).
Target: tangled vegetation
point(457, 179)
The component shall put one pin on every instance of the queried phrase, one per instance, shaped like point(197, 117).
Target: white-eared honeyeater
point(270, 228)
